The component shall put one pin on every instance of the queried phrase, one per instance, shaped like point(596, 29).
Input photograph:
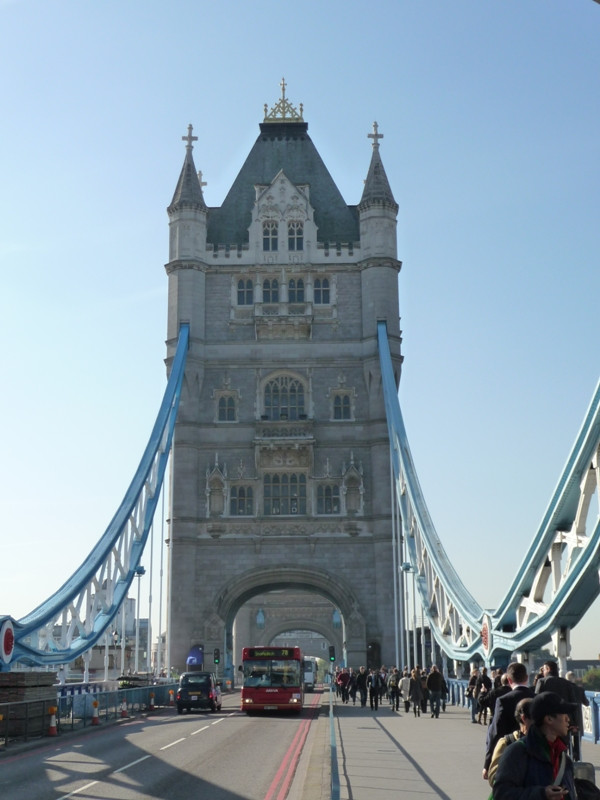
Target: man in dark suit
point(504, 721)
point(551, 682)
point(570, 693)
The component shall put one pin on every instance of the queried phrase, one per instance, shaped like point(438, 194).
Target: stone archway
point(256, 581)
point(332, 637)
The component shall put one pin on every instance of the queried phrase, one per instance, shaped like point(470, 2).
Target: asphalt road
point(218, 756)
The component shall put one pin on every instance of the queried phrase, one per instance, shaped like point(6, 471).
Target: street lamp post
point(115, 638)
point(414, 599)
point(139, 571)
point(407, 567)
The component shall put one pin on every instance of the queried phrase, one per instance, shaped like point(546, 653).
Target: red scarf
point(557, 747)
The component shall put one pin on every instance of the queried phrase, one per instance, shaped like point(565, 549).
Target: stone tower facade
point(280, 472)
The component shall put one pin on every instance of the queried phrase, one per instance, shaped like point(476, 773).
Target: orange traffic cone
point(95, 719)
point(52, 731)
point(124, 709)
point(171, 697)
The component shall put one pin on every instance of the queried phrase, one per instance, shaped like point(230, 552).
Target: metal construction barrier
point(76, 707)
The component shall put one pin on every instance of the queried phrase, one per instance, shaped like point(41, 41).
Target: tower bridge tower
point(280, 474)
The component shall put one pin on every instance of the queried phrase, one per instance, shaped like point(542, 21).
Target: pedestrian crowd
point(419, 689)
point(533, 732)
point(533, 738)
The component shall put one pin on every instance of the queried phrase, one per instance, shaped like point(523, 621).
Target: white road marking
point(133, 763)
point(143, 758)
point(205, 728)
point(76, 791)
point(166, 747)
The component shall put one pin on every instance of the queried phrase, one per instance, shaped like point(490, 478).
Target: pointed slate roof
point(188, 192)
point(377, 188)
point(283, 145)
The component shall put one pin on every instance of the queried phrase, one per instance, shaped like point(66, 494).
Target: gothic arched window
point(342, 408)
point(241, 501)
point(321, 291)
point(270, 231)
point(328, 499)
point(245, 293)
point(271, 291)
point(284, 494)
point(296, 291)
point(226, 409)
point(284, 398)
point(295, 235)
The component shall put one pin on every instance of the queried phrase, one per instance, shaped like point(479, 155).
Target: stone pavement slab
point(385, 754)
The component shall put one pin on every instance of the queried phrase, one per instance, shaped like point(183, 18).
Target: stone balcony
point(298, 429)
point(283, 320)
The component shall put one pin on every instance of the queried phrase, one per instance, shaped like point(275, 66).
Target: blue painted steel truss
point(555, 585)
point(558, 579)
point(77, 616)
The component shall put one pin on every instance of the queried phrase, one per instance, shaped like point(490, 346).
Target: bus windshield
point(271, 672)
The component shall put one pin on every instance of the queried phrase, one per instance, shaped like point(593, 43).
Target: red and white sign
point(7, 641)
point(485, 635)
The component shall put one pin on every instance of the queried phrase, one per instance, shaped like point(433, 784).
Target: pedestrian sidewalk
point(387, 755)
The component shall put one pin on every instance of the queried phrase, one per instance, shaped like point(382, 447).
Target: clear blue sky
point(490, 111)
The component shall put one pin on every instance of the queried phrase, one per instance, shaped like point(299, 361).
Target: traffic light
point(216, 655)
point(331, 652)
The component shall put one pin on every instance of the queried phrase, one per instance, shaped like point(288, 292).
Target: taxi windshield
point(195, 681)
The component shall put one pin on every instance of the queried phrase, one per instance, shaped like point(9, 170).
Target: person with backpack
point(523, 717)
point(538, 764)
point(394, 689)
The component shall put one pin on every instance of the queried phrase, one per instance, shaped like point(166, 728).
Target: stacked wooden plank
point(25, 698)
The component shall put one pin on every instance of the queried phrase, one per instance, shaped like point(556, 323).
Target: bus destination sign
point(272, 652)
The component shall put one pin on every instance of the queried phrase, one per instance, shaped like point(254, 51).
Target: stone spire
point(188, 192)
point(188, 213)
point(377, 188)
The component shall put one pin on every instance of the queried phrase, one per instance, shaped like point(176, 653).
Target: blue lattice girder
point(558, 579)
point(76, 616)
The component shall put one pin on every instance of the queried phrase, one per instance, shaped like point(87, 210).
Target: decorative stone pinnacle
point(189, 139)
point(283, 110)
point(376, 136)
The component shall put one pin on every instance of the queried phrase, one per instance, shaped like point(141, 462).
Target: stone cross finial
point(202, 183)
point(376, 136)
point(283, 109)
point(189, 138)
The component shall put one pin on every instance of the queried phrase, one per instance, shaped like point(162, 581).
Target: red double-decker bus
point(272, 679)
